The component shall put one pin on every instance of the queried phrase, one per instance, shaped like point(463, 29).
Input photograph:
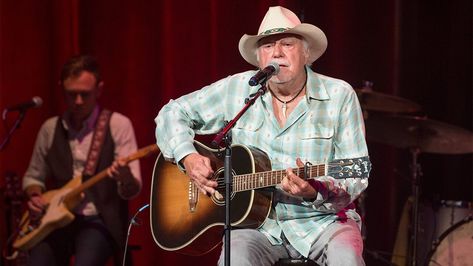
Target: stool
point(295, 262)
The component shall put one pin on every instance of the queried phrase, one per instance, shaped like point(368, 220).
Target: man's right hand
point(198, 168)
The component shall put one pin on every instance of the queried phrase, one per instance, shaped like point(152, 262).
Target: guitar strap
point(96, 145)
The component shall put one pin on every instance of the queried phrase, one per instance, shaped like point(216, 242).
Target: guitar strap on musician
point(96, 145)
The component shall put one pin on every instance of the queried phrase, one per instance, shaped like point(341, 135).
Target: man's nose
point(78, 100)
point(278, 52)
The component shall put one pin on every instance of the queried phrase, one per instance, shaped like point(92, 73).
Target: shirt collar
point(315, 88)
point(87, 126)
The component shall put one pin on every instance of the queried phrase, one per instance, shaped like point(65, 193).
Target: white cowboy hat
point(282, 20)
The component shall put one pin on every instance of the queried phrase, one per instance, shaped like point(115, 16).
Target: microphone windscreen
point(276, 67)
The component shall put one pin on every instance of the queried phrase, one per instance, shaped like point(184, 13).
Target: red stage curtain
point(152, 51)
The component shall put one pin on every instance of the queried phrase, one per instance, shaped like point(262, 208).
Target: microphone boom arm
point(248, 102)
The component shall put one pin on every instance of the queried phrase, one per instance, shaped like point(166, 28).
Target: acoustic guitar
point(60, 202)
point(182, 221)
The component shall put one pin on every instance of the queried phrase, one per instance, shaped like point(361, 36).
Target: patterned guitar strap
point(96, 145)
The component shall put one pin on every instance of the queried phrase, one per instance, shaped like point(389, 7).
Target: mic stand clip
point(15, 126)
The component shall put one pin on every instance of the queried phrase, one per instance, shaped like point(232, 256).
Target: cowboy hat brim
point(314, 36)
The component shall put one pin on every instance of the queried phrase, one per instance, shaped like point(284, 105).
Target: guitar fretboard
point(150, 149)
point(271, 178)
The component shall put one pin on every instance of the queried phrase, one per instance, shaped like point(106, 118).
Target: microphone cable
point(132, 222)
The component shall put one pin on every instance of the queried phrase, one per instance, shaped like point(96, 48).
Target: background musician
point(64, 150)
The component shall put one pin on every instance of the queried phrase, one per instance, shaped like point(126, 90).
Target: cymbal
point(421, 133)
point(376, 101)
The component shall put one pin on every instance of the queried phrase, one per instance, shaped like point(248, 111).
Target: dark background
point(152, 51)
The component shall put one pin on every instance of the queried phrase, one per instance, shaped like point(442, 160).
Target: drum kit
point(394, 122)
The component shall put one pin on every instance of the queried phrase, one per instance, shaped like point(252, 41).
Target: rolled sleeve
point(123, 135)
point(201, 112)
point(38, 168)
point(183, 150)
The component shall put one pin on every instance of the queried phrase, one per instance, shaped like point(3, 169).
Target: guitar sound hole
point(219, 196)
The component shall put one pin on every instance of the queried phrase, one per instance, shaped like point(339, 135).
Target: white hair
point(305, 44)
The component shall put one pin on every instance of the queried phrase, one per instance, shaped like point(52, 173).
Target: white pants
point(340, 244)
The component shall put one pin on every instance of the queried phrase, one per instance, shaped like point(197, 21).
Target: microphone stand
point(225, 134)
point(17, 124)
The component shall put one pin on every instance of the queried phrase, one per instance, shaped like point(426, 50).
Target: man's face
point(81, 93)
point(288, 51)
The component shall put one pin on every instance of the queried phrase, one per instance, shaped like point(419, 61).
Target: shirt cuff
point(319, 200)
point(183, 150)
point(28, 181)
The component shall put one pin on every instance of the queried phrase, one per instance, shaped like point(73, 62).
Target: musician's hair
point(75, 65)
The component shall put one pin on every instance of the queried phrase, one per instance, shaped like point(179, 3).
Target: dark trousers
point(86, 238)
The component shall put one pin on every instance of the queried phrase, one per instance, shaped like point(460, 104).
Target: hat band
point(275, 30)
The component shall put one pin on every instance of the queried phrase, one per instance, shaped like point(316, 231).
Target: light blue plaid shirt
point(326, 125)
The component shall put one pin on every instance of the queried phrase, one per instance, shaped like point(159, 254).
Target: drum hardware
point(429, 136)
point(417, 134)
point(380, 102)
point(415, 173)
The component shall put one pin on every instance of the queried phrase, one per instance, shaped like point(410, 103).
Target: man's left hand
point(295, 185)
point(118, 169)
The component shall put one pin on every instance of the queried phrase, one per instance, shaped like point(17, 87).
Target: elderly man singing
point(304, 117)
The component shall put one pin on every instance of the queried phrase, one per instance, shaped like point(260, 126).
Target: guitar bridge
point(193, 196)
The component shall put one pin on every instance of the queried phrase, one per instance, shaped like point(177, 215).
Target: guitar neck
point(103, 174)
point(271, 178)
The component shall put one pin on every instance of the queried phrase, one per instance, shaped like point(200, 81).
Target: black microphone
point(264, 74)
point(33, 103)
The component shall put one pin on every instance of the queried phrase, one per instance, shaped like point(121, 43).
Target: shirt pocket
point(308, 132)
point(247, 130)
point(315, 142)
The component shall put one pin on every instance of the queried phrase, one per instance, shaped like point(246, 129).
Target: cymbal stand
point(414, 224)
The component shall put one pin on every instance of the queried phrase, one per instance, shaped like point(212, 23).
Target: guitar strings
point(238, 180)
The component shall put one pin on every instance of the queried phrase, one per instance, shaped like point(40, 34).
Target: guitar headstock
point(350, 168)
point(13, 192)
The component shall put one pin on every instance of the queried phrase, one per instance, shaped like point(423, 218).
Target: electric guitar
point(179, 217)
point(59, 203)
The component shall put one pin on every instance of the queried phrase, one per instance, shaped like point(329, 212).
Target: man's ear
point(100, 88)
point(307, 55)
